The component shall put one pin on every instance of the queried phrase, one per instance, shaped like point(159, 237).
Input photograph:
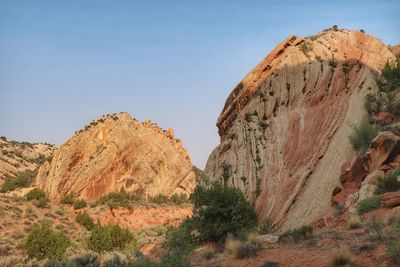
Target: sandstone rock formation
point(284, 129)
point(116, 152)
point(17, 157)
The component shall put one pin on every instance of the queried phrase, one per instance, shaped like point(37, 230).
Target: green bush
point(35, 193)
point(297, 234)
point(362, 136)
point(220, 210)
point(38, 197)
point(43, 242)
point(180, 239)
point(85, 220)
point(22, 179)
point(390, 79)
point(368, 204)
point(106, 238)
point(118, 199)
point(79, 204)
point(389, 183)
point(393, 251)
point(68, 199)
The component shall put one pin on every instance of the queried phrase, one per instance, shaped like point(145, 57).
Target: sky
point(65, 63)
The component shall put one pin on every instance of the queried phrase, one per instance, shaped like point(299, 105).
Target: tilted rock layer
point(117, 152)
point(284, 129)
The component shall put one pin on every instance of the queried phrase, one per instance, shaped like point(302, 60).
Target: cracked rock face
point(116, 152)
point(284, 129)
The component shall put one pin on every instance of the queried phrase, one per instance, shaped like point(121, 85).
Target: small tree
point(220, 210)
point(362, 136)
point(43, 242)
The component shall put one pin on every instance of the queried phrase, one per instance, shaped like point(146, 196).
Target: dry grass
point(255, 239)
point(208, 252)
point(232, 246)
point(354, 222)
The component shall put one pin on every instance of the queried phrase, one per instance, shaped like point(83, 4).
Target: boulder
point(384, 148)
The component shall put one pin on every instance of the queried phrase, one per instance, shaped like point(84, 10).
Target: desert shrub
point(389, 183)
point(85, 220)
point(106, 238)
point(375, 227)
point(38, 197)
point(35, 193)
point(368, 204)
point(353, 222)
point(116, 261)
point(160, 198)
point(179, 198)
point(80, 261)
point(248, 116)
point(180, 239)
point(340, 259)
point(43, 242)
point(118, 199)
point(247, 250)
point(305, 48)
point(297, 234)
point(68, 199)
point(22, 179)
point(220, 210)
point(174, 259)
point(390, 78)
point(265, 227)
point(393, 252)
point(79, 204)
point(362, 136)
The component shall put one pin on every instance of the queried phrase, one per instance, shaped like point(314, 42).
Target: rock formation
point(284, 129)
point(116, 152)
point(17, 157)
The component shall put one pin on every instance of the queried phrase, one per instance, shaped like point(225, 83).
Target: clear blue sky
point(64, 63)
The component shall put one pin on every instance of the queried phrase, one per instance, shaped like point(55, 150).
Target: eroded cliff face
point(116, 152)
point(284, 129)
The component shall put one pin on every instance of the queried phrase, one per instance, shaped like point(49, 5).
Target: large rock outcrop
point(116, 152)
point(284, 129)
point(17, 157)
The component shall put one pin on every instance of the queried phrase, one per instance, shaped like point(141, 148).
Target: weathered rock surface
point(284, 129)
point(16, 157)
point(390, 200)
point(116, 152)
